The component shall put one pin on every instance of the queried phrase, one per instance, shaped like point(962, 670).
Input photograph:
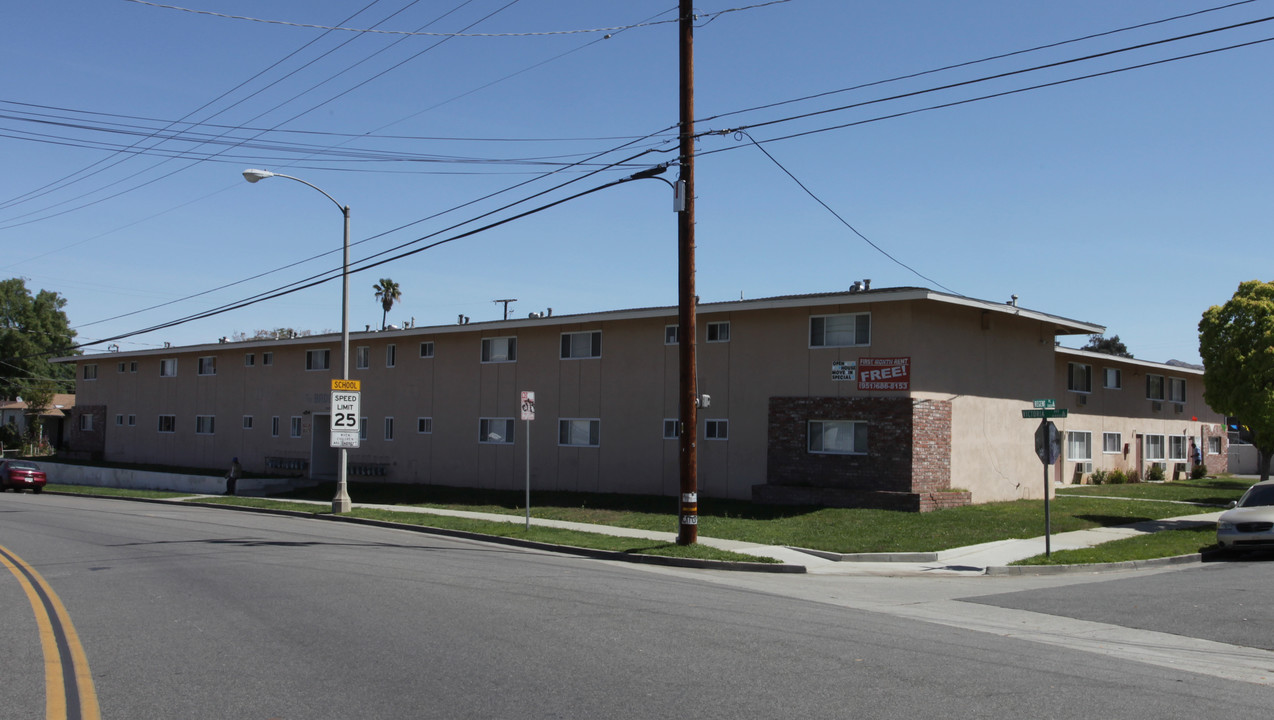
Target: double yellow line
point(68, 684)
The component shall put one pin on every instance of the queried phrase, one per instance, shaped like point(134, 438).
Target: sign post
point(1048, 447)
point(346, 408)
point(528, 414)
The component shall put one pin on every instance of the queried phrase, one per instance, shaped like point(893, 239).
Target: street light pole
point(341, 503)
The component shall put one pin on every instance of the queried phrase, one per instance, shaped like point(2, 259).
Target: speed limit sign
point(345, 412)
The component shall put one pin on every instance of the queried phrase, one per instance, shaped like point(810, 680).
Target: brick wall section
point(87, 443)
point(1216, 464)
point(907, 465)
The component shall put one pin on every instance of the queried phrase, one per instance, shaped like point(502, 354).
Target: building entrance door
point(323, 457)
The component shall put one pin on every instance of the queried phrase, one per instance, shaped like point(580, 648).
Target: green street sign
point(1037, 414)
point(1045, 404)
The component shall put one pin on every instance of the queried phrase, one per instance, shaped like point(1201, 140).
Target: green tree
point(1236, 342)
point(1110, 345)
point(33, 329)
point(388, 293)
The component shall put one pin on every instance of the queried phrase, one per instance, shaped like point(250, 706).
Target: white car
point(1250, 524)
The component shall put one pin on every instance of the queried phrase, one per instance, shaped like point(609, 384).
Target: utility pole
point(506, 302)
point(688, 517)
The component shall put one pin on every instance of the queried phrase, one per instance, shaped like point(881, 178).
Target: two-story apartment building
point(899, 397)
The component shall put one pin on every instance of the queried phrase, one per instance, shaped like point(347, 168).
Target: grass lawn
point(1168, 543)
point(1219, 491)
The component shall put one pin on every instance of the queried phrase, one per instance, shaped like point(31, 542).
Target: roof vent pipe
point(866, 283)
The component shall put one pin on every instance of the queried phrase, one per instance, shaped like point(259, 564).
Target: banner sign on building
point(844, 370)
point(884, 373)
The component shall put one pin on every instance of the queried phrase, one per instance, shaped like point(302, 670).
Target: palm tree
point(387, 293)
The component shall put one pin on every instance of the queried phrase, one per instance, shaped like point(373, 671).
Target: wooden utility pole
point(688, 518)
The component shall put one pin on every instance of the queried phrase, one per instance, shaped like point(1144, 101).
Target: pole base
point(341, 504)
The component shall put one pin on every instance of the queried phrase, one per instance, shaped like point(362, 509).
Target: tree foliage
point(33, 329)
point(1236, 342)
point(388, 293)
point(1109, 345)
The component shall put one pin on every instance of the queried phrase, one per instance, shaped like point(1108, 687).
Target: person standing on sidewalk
point(232, 477)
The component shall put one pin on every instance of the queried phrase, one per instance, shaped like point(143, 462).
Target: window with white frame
point(1154, 448)
point(1113, 378)
point(495, 430)
point(267, 358)
point(848, 330)
point(672, 429)
point(1154, 387)
point(579, 432)
point(205, 424)
point(132, 420)
point(90, 371)
point(389, 428)
point(391, 355)
point(499, 349)
point(838, 437)
point(582, 344)
point(249, 359)
point(717, 429)
point(362, 357)
point(121, 368)
point(672, 334)
point(1177, 390)
point(132, 366)
point(168, 367)
point(296, 426)
point(207, 365)
point(427, 349)
point(1214, 445)
point(318, 359)
point(719, 331)
point(424, 425)
point(119, 420)
point(167, 424)
point(1112, 442)
point(1079, 446)
point(274, 426)
point(1177, 446)
point(1079, 377)
point(247, 422)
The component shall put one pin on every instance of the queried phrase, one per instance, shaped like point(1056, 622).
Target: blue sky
point(1133, 199)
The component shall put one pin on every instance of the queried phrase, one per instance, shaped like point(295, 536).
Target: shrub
point(1155, 473)
point(1198, 472)
point(1133, 476)
point(1116, 477)
point(1099, 477)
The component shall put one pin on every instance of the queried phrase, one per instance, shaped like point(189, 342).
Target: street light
point(340, 503)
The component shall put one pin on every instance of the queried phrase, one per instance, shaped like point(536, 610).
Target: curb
point(900, 557)
point(692, 563)
point(1010, 570)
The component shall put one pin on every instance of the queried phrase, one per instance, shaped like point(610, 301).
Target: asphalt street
point(204, 613)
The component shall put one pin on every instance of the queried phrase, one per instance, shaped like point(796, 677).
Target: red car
point(18, 474)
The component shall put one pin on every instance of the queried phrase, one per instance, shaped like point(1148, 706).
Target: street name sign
point(1037, 414)
point(1045, 404)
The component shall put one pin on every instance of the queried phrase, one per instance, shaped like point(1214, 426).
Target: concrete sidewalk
point(971, 560)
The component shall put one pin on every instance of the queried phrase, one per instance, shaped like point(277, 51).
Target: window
point(389, 428)
point(296, 426)
point(391, 355)
point(168, 367)
point(167, 423)
point(849, 330)
point(132, 366)
point(274, 426)
point(122, 367)
point(267, 358)
point(1154, 387)
point(1177, 447)
point(1214, 445)
point(318, 359)
point(119, 420)
point(362, 357)
point(719, 331)
point(1079, 377)
point(1154, 447)
point(249, 359)
point(426, 349)
point(672, 334)
point(1177, 390)
point(842, 437)
point(247, 422)
point(1114, 378)
point(208, 365)
point(716, 429)
point(495, 430)
point(205, 424)
point(501, 349)
point(90, 372)
point(582, 344)
point(132, 421)
point(424, 425)
point(580, 433)
point(1079, 445)
point(1112, 442)
point(672, 429)
point(362, 429)
point(86, 422)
